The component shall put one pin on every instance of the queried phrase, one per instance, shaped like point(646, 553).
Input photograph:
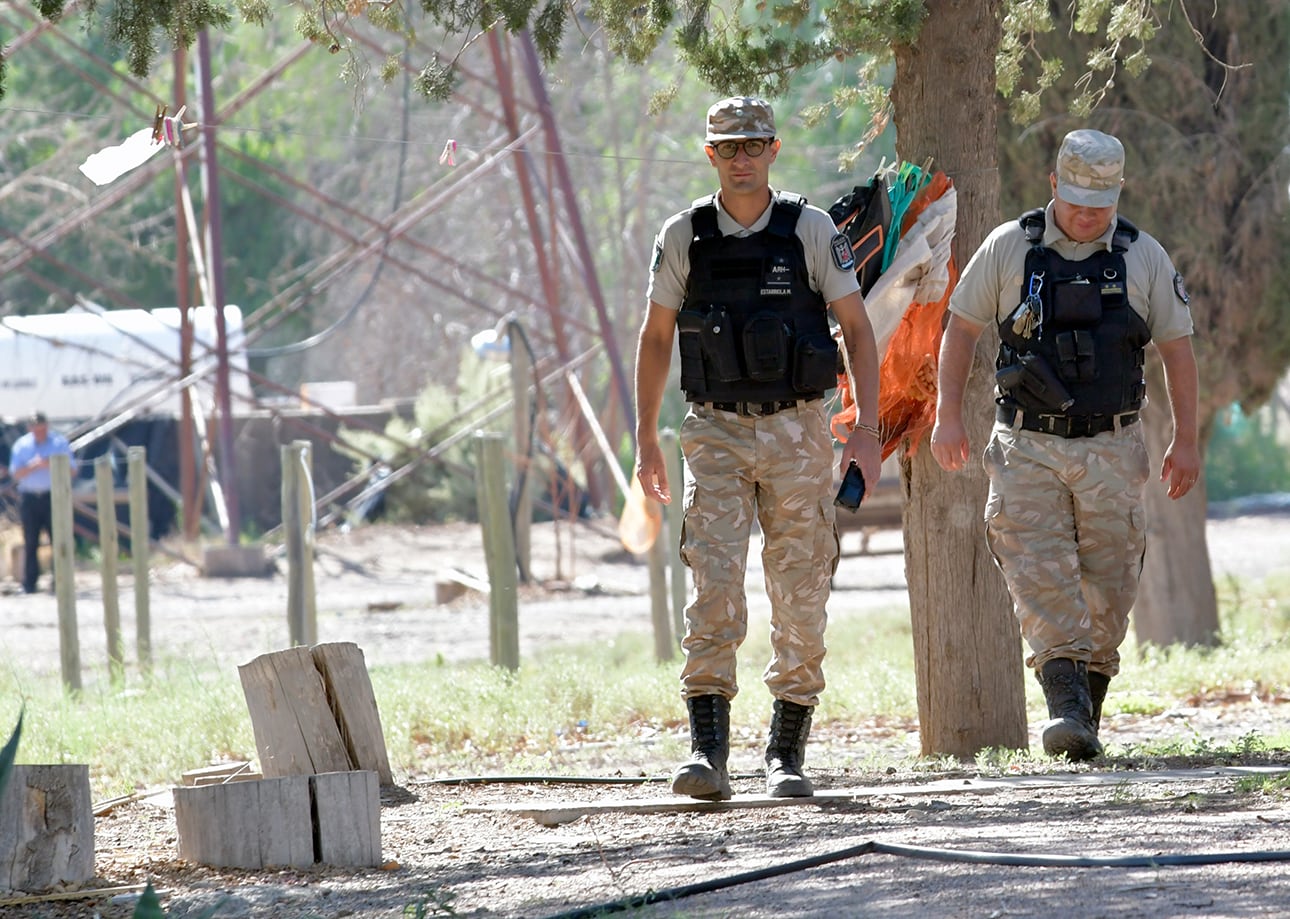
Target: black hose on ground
point(942, 855)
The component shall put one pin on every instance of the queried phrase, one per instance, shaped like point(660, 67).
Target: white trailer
point(86, 364)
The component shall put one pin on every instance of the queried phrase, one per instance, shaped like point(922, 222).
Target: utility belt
point(1064, 425)
point(759, 409)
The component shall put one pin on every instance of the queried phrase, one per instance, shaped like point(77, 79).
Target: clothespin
point(446, 158)
point(173, 128)
point(159, 124)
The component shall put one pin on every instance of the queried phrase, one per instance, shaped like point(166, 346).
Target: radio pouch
point(765, 342)
point(815, 363)
point(1077, 304)
point(720, 348)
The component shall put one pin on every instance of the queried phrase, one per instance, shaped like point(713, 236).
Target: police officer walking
point(1077, 292)
point(29, 467)
point(744, 279)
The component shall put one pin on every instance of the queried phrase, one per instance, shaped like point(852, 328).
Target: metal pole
point(215, 265)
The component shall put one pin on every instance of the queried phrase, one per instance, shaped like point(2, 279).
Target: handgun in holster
point(1031, 373)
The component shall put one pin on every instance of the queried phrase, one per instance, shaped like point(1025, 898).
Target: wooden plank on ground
point(295, 730)
point(347, 808)
point(216, 773)
point(46, 828)
point(353, 703)
point(558, 813)
point(246, 824)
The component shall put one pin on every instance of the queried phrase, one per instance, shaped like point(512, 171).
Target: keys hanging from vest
point(1027, 319)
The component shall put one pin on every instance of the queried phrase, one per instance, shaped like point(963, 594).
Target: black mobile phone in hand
point(851, 492)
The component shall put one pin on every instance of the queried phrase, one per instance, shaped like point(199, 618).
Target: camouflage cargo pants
point(780, 468)
point(1065, 522)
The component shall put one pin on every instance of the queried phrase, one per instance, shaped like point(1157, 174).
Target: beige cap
point(740, 117)
point(1090, 167)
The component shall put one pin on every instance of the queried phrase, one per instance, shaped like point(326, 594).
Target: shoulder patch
point(658, 255)
point(843, 257)
point(1180, 289)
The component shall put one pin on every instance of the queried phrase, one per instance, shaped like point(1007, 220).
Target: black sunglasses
point(754, 147)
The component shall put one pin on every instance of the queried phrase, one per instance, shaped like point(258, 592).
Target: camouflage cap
point(739, 117)
point(1090, 167)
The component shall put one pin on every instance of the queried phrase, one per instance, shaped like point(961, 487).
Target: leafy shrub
point(1245, 458)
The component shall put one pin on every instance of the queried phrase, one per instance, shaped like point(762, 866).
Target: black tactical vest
point(750, 327)
point(1074, 324)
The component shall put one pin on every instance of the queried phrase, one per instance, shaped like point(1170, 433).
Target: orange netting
point(907, 372)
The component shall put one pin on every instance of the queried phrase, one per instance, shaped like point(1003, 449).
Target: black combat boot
point(1071, 732)
point(1097, 686)
point(704, 775)
point(786, 751)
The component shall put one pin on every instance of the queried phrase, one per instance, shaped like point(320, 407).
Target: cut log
point(295, 730)
point(292, 821)
point(46, 828)
point(259, 824)
point(349, 689)
point(347, 808)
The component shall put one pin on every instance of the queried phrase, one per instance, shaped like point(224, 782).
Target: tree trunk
point(967, 653)
point(1176, 601)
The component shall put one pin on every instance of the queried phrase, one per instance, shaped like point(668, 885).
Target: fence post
point(108, 551)
point(297, 525)
point(63, 555)
point(674, 514)
point(521, 376)
point(499, 550)
point(137, 477)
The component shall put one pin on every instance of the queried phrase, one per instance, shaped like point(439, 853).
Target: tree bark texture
point(1176, 600)
point(967, 654)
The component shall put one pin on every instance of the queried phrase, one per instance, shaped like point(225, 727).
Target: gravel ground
point(465, 849)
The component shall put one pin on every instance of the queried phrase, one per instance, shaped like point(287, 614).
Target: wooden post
point(664, 649)
point(108, 552)
point(521, 377)
point(499, 550)
point(137, 477)
point(673, 517)
point(46, 827)
point(63, 557)
point(297, 525)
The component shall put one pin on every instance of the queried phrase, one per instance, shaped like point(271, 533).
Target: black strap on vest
point(783, 216)
point(703, 218)
point(1033, 223)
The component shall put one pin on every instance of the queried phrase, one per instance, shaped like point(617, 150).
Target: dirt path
point(451, 850)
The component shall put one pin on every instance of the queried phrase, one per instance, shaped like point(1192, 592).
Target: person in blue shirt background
point(29, 467)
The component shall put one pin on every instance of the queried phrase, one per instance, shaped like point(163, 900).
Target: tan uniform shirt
point(990, 288)
point(671, 265)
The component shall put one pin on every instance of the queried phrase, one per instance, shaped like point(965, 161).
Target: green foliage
point(1026, 72)
point(1245, 458)
point(139, 25)
point(439, 488)
point(8, 753)
point(757, 48)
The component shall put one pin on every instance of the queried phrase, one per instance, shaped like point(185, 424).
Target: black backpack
point(864, 215)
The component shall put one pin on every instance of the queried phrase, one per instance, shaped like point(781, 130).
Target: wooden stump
point(292, 821)
point(246, 824)
point(314, 712)
point(46, 828)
